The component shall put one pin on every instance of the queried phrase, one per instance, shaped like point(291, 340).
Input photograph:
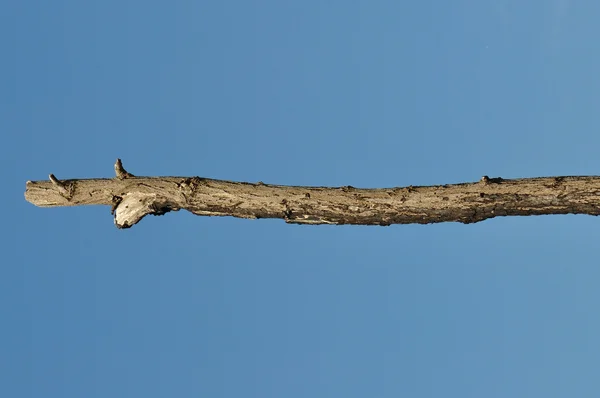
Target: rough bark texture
point(133, 197)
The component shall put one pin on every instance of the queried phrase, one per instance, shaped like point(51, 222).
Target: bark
point(132, 198)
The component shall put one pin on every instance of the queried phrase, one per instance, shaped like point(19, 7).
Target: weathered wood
point(132, 198)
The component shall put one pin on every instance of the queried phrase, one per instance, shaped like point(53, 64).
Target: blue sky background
point(366, 93)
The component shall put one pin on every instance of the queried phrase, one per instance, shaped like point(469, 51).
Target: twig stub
point(120, 170)
point(64, 189)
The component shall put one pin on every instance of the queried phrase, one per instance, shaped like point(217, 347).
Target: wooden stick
point(132, 198)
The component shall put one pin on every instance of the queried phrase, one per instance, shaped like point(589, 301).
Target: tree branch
point(133, 197)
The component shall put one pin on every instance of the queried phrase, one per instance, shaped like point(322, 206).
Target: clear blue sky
point(366, 93)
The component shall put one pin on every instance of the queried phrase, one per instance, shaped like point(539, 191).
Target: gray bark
point(132, 198)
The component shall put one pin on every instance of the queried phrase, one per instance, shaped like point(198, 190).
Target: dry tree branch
point(133, 197)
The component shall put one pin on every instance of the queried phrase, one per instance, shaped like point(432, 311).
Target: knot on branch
point(130, 208)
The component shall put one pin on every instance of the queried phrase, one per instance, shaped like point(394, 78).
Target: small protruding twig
point(60, 186)
point(120, 170)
